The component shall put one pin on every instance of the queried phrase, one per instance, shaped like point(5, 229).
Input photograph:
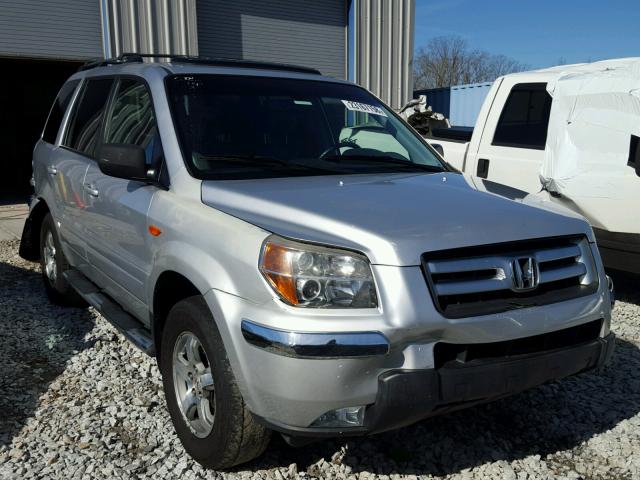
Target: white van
point(569, 135)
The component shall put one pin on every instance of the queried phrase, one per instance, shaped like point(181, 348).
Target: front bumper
point(302, 363)
point(407, 396)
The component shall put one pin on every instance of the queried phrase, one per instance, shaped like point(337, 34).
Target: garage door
point(65, 29)
point(287, 31)
point(26, 96)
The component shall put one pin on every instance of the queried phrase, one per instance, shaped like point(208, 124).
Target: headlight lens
point(318, 277)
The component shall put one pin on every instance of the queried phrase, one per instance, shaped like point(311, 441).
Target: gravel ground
point(78, 401)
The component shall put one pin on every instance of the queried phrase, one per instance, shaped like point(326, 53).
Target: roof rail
point(219, 62)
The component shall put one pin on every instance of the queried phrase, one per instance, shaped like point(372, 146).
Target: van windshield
point(238, 127)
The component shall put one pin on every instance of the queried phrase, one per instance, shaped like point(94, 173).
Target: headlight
point(318, 277)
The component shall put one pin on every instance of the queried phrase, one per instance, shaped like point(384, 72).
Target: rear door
point(68, 164)
point(115, 218)
point(45, 173)
point(512, 145)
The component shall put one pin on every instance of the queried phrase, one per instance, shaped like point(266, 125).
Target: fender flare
point(30, 239)
point(200, 269)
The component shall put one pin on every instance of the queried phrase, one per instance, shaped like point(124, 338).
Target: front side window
point(87, 117)
point(57, 111)
point(131, 120)
point(252, 127)
point(525, 117)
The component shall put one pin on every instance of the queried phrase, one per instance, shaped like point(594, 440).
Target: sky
point(537, 33)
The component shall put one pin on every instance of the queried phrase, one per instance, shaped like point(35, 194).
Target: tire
point(53, 264)
point(217, 429)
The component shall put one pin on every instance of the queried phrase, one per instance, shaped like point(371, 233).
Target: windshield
point(233, 127)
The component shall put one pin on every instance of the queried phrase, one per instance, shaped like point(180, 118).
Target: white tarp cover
point(595, 110)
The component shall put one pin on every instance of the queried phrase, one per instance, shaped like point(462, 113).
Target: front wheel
point(205, 404)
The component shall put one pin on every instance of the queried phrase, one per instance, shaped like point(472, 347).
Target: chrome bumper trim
point(315, 345)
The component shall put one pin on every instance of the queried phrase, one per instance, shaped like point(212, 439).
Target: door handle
point(91, 189)
point(52, 170)
point(483, 168)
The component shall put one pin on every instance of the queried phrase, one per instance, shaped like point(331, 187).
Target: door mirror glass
point(123, 161)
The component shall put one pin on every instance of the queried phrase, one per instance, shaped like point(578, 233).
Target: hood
point(391, 218)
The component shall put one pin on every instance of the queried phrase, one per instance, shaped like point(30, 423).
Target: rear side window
point(57, 111)
point(525, 118)
point(87, 117)
point(131, 119)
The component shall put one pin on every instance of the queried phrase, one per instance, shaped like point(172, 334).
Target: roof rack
point(218, 62)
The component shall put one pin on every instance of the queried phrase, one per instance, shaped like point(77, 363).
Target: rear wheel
point(53, 264)
point(205, 404)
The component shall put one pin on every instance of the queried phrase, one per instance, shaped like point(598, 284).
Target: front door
point(116, 209)
point(514, 153)
point(68, 164)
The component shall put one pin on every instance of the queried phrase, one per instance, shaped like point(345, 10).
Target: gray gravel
point(77, 401)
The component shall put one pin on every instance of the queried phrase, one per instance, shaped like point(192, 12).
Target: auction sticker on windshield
point(363, 107)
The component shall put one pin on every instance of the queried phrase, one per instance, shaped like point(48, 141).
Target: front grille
point(495, 278)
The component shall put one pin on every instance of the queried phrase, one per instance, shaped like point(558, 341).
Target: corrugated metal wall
point(149, 26)
point(287, 31)
point(65, 29)
point(383, 48)
point(466, 101)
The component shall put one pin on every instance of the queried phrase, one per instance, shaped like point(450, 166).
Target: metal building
point(43, 42)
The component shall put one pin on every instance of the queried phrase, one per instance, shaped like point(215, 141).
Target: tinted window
point(131, 119)
point(524, 120)
point(57, 111)
point(87, 116)
point(254, 127)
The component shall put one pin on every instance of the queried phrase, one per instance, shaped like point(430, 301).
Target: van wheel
point(208, 412)
point(53, 264)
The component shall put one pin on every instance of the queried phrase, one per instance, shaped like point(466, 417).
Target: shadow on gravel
point(36, 341)
point(627, 286)
point(554, 417)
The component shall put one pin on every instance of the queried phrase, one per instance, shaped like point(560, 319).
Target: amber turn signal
point(155, 231)
point(276, 267)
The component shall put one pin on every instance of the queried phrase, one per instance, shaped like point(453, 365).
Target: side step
point(126, 323)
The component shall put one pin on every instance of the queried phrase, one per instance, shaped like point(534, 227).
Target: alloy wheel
point(49, 255)
point(193, 384)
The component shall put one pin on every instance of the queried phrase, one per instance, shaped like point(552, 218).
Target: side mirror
point(634, 154)
point(123, 160)
point(438, 148)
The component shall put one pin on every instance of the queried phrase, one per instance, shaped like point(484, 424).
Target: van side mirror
point(123, 160)
point(438, 148)
point(634, 154)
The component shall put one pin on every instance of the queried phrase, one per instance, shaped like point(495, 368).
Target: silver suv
point(297, 258)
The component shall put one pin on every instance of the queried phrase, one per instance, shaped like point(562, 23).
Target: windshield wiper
point(382, 159)
point(244, 159)
point(261, 161)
